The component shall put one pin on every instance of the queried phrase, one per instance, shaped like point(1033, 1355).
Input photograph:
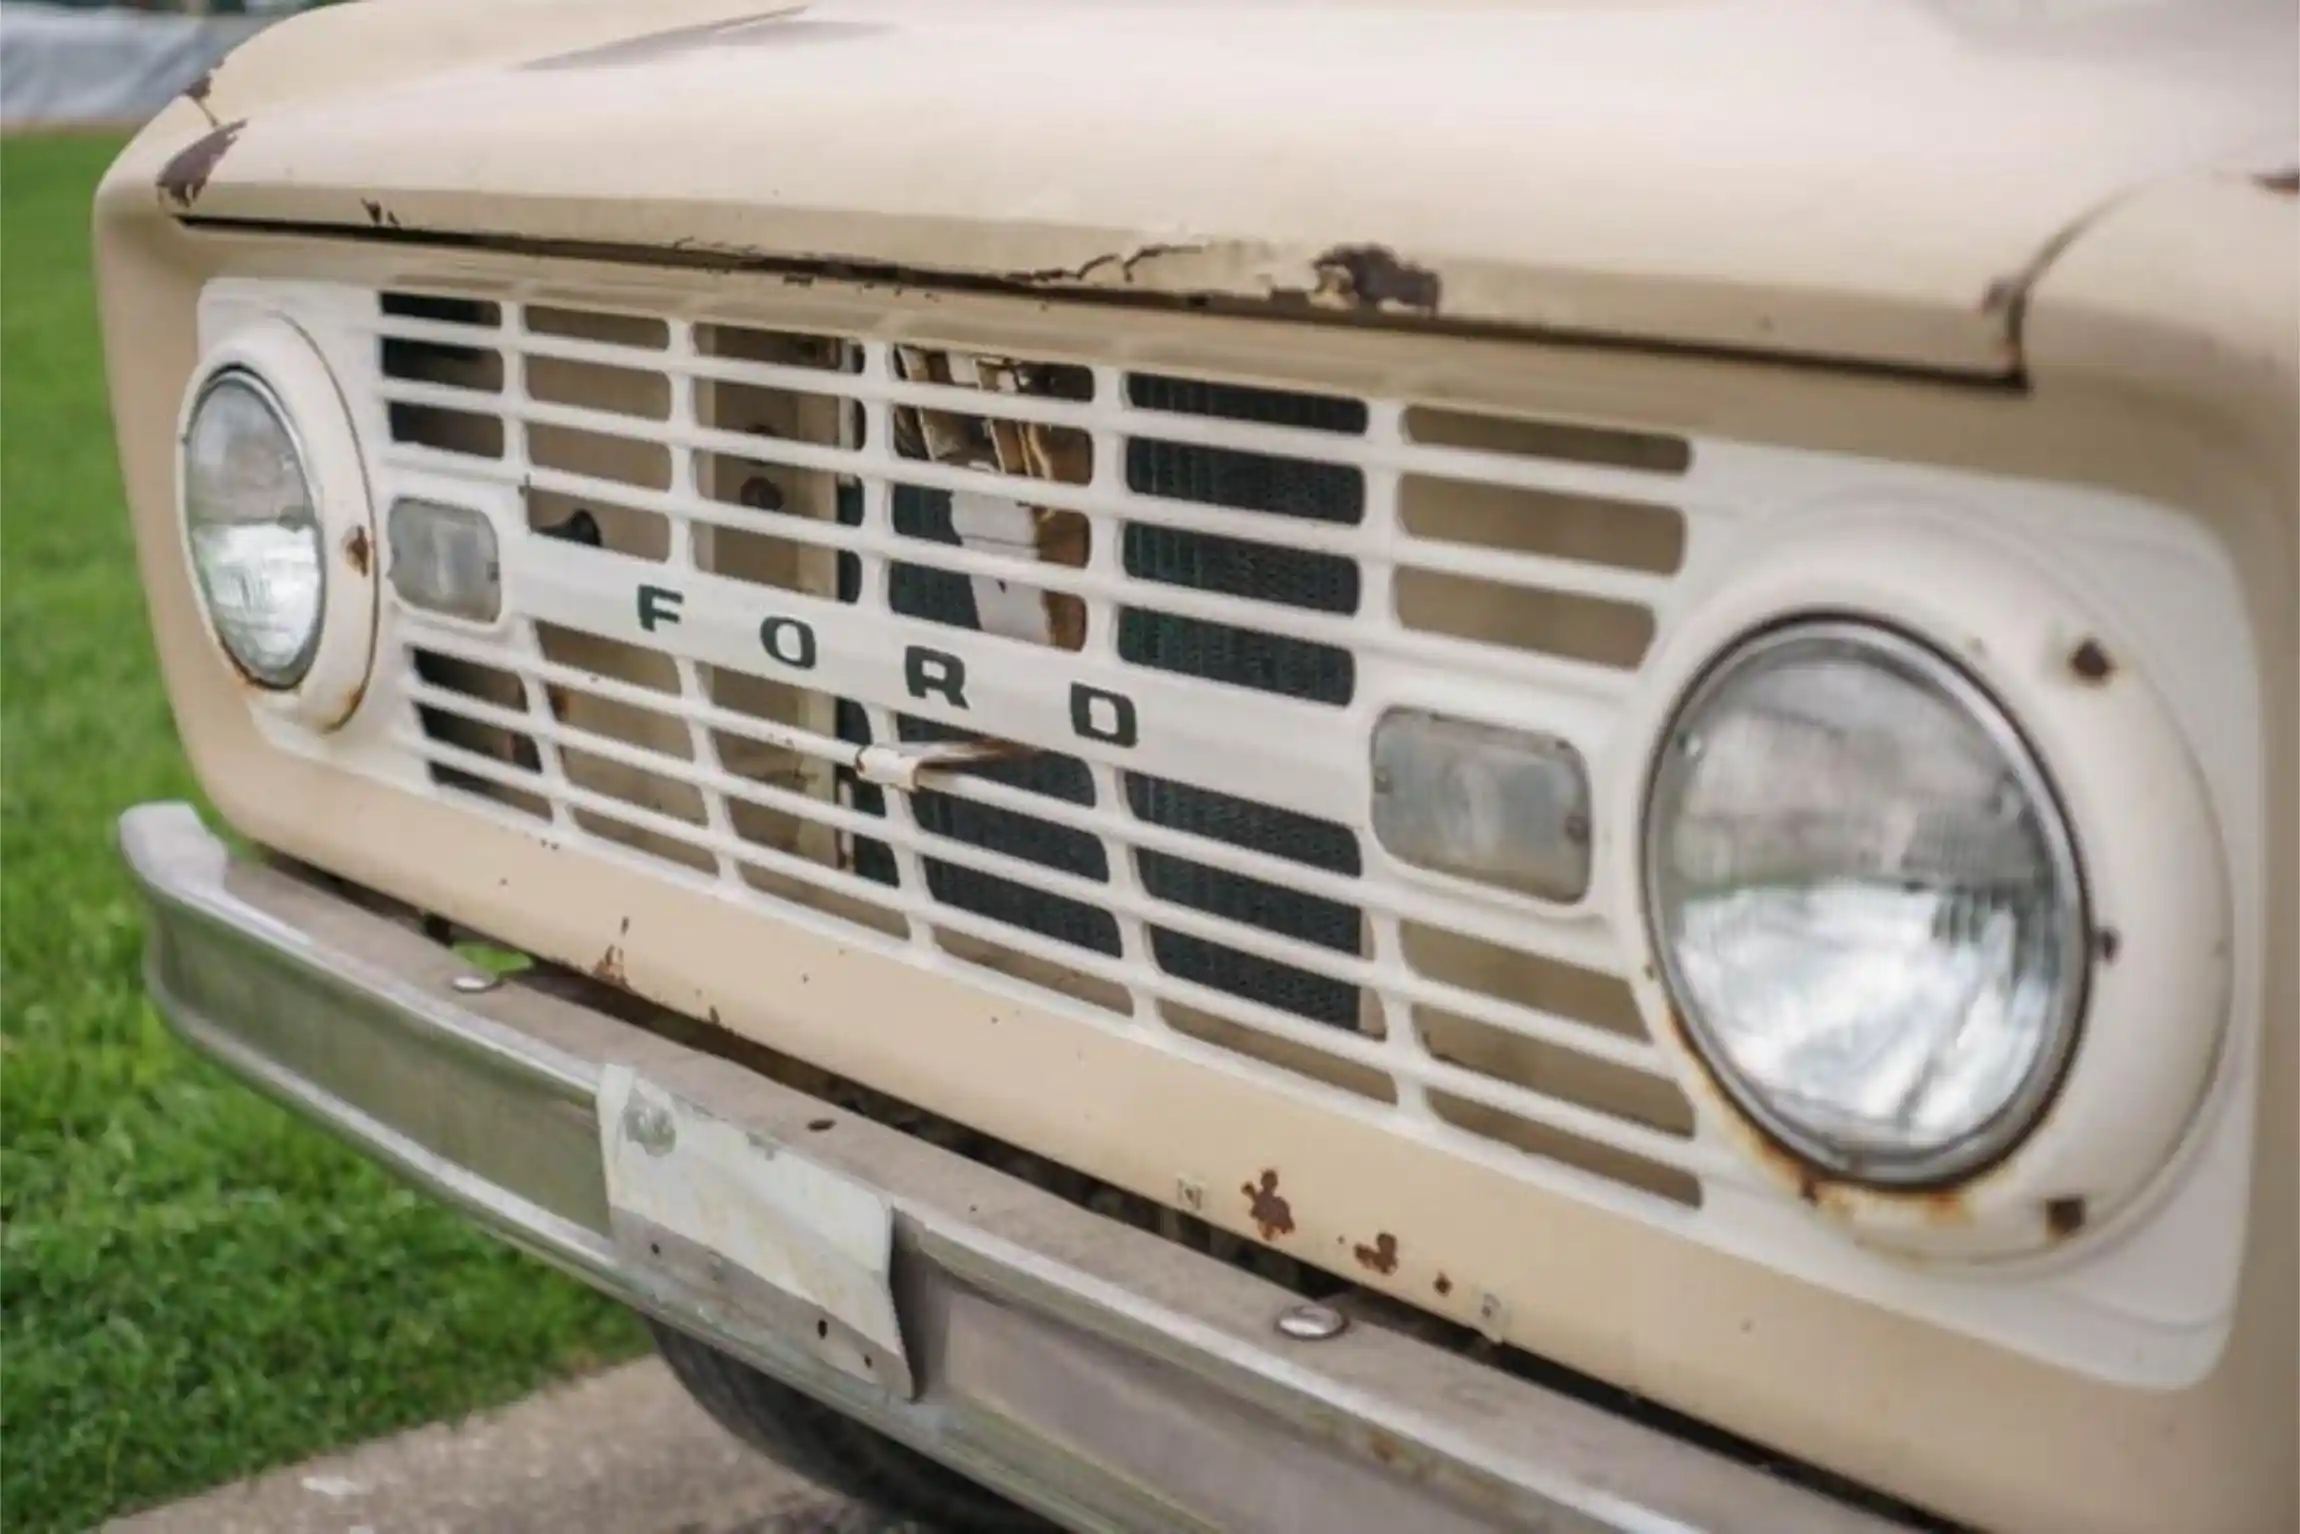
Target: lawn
point(193, 1286)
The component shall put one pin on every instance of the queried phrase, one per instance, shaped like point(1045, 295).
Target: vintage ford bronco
point(1277, 766)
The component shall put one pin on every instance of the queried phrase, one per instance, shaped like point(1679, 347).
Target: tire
point(832, 1449)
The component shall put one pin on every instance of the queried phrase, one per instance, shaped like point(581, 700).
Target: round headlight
point(1866, 903)
point(253, 528)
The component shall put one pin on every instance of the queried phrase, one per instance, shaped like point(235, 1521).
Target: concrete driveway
point(623, 1452)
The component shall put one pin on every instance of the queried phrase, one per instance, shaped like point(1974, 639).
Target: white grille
point(1213, 887)
point(1261, 572)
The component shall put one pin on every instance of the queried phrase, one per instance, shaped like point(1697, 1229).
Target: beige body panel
point(1865, 182)
point(2163, 358)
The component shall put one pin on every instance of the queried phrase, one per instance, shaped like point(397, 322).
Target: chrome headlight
point(253, 528)
point(1866, 903)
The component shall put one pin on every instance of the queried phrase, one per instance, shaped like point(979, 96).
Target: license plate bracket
point(775, 1245)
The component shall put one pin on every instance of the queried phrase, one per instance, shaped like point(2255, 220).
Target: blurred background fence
point(80, 63)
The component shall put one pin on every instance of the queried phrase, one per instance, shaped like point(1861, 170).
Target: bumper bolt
point(474, 985)
point(1309, 1322)
point(649, 1126)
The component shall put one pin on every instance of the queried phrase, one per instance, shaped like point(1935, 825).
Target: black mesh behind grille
point(918, 591)
point(1244, 823)
point(1257, 485)
point(1241, 402)
point(922, 591)
point(1326, 583)
point(1258, 828)
point(1017, 835)
point(1275, 984)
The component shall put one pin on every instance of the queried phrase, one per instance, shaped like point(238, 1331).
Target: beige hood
point(1871, 181)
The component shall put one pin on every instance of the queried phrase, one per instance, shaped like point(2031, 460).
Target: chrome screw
point(475, 985)
point(1309, 1322)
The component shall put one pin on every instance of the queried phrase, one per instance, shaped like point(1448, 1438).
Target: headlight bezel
point(1892, 648)
point(2150, 1088)
point(283, 367)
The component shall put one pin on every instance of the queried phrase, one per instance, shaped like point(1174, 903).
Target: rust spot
point(610, 968)
point(2064, 1217)
point(1385, 1448)
point(1381, 1257)
point(1940, 1208)
point(351, 703)
point(186, 174)
point(2284, 183)
point(2109, 943)
point(2091, 663)
point(197, 94)
point(1444, 1285)
point(1270, 1212)
point(355, 549)
point(1373, 277)
point(1945, 1207)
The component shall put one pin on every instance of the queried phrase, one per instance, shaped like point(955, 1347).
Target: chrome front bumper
point(1106, 1377)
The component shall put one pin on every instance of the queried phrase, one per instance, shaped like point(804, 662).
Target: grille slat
point(1254, 542)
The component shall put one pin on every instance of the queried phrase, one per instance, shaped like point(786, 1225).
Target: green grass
point(193, 1285)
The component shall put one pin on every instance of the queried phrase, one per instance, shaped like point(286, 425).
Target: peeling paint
point(1373, 277)
point(186, 174)
point(197, 94)
point(1124, 260)
point(1270, 1212)
point(609, 969)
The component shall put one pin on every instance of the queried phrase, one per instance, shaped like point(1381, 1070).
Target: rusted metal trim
point(804, 271)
